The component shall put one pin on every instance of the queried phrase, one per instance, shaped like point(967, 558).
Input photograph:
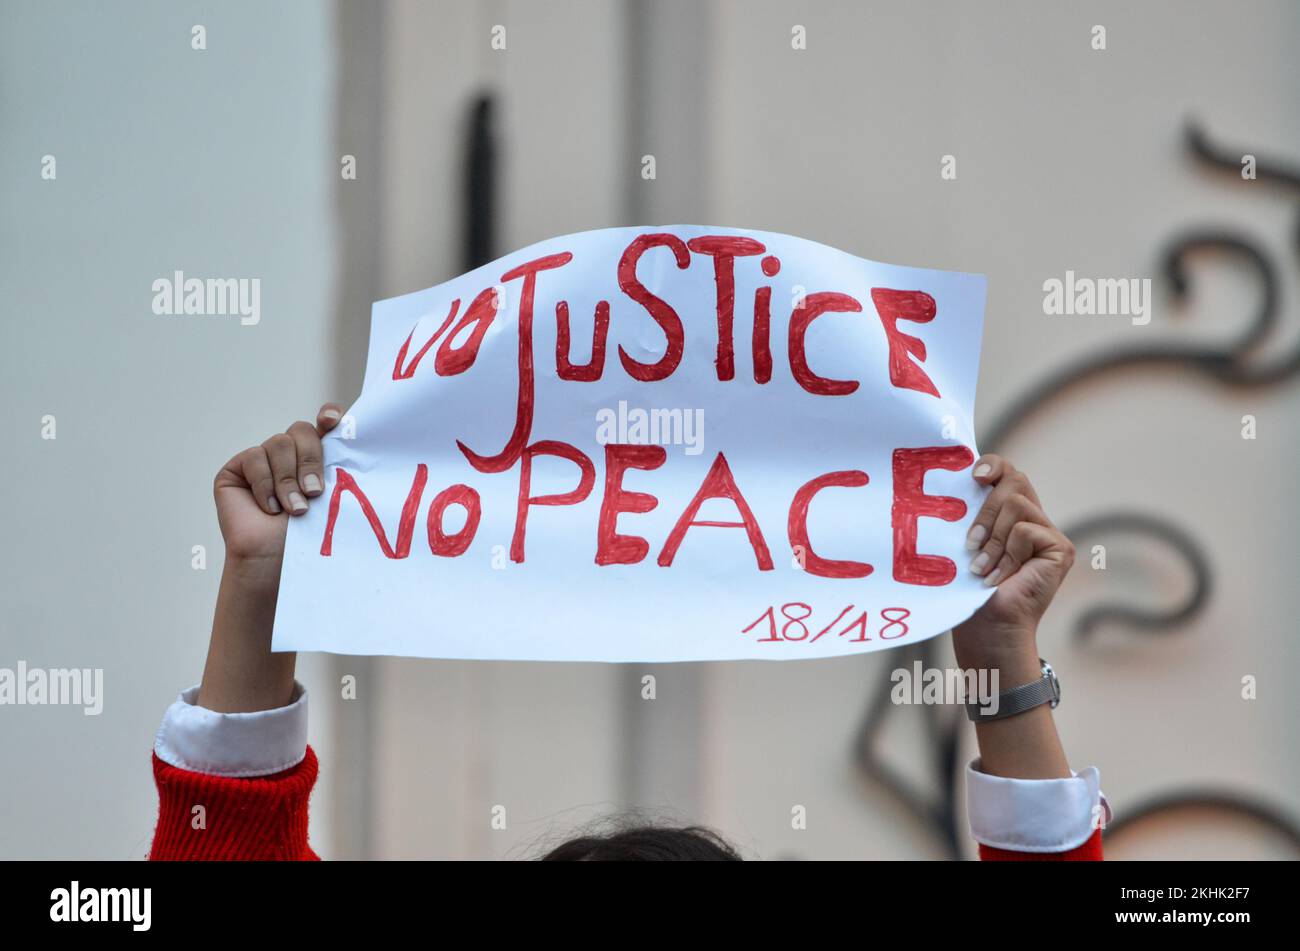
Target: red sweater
point(265, 819)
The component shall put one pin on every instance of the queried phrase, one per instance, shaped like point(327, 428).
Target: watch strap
point(1019, 699)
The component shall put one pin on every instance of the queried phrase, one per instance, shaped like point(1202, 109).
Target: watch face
point(1056, 684)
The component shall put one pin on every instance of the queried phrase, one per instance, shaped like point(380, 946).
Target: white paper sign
point(651, 444)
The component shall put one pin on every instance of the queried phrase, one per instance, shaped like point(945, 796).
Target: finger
point(283, 456)
point(254, 468)
point(311, 460)
point(1015, 508)
point(1006, 480)
point(1029, 540)
point(989, 468)
point(328, 417)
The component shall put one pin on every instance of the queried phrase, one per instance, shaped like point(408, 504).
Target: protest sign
point(650, 444)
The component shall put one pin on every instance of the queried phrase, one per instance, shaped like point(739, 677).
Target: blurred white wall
point(219, 163)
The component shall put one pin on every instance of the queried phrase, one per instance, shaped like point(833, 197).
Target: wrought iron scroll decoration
point(1234, 364)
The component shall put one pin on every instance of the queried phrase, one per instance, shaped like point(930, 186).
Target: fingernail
point(982, 470)
point(311, 482)
point(992, 579)
point(330, 414)
point(975, 537)
point(297, 503)
point(274, 505)
point(980, 563)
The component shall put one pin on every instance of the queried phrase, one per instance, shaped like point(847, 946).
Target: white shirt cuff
point(233, 744)
point(1035, 815)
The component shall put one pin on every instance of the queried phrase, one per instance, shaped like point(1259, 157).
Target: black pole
point(480, 183)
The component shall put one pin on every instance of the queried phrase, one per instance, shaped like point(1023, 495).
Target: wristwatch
point(1019, 699)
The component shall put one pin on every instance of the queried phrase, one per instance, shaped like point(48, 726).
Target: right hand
point(260, 487)
point(1022, 553)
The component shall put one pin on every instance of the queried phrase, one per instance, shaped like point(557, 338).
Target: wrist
point(1012, 651)
point(256, 577)
point(242, 674)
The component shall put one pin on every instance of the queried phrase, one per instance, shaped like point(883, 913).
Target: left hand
point(1015, 547)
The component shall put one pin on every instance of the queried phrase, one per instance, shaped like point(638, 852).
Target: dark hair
point(646, 844)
